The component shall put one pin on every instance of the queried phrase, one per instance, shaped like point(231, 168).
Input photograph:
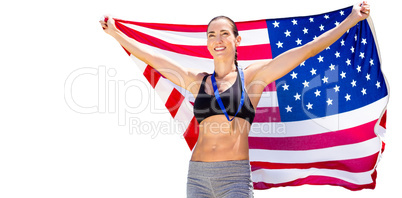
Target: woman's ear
point(237, 41)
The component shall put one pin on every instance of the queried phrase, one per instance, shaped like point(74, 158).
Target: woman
point(219, 165)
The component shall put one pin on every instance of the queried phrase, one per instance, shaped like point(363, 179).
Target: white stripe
point(345, 152)
point(288, 175)
point(249, 37)
point(164, 88)
point(268, 99)
point(184, 114)
point(337, 122)
point(141, 65)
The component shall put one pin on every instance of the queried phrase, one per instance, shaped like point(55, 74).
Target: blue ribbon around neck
point(218, 97)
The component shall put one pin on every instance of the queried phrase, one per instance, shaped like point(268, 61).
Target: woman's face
point(221, 41)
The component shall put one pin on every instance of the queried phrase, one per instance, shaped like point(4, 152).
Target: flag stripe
point(334, 138)
point(249, 37)
point(174, 101)
point(344, 152)
point(319, 180)
point(267, 114)
point(152, 75)
point(322, 125)
point(247, 25)
point(351, 165)
point(252, 52)
point(286, 175)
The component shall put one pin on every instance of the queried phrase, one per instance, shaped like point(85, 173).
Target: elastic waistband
point(219, 169)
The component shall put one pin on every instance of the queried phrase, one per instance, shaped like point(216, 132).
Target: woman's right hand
point(108, 25)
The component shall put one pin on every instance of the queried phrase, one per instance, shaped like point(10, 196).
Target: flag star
point(378, 84)
point(311, 19)
point(359, 69)
point(361, 55)
point(355, 37)
point(371, 62)
point(343, 75)
point(347, 97)
point(364, 91)
point(305, 31)
point(368, 77)
point(306, 84)
point(337, 54)
point(317, 93)
point(329, 101)
point(298, 41)
point(336, 88)
point(303, 63)
point(320, 59)
point(342, 12)
point(313, 71)
point(364, 41)
point(325, 79)
point(353, 83)
point(287, 33)
point(342, 42)
point(321, 27)
point(309, 106)
point(276, 24)
point(332, 67)
point(352, 49)
point(315, 37)
point(326, 16)
point(336, 23)
point(285, 87)
point(297, 96)
point(288, 109)
point(294, 22)
point(279, 44)
point(348, 62)
point(327, 48)
point(294, 75)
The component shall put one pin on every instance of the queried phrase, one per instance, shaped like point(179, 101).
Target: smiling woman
point(225, 102)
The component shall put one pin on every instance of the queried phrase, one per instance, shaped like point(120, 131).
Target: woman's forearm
point(136, 48)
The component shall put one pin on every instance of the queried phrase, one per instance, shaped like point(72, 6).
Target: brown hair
point(234, 29)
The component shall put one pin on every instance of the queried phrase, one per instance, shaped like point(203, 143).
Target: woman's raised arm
point(266, 72)
point(179, 75)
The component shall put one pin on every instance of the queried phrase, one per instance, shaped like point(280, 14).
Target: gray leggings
point(226, 179)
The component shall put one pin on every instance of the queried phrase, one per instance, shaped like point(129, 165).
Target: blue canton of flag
point(343, 77)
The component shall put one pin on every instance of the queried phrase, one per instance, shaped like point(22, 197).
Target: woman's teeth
point(219, 48)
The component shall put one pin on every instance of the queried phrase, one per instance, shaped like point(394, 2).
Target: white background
point(49, 150)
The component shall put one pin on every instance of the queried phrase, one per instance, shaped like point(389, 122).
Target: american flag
point(321, 124)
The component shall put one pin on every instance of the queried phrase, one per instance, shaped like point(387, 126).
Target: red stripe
point(254, 52)
point(270, 87)
point(319, 180)
point(191, 134)
point(267, 114)
point(251, 25)
point(152, 75)
point(247, 25)
point(352, 165)
point(168, 27)
point(383, 121)
point(334, 138)
point(174, 101)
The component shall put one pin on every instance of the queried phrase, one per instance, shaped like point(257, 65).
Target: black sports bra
point(206, 105)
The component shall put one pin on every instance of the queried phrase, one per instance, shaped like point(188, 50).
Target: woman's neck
point(224, 68)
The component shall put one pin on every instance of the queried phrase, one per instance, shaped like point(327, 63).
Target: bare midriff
point(221, 140)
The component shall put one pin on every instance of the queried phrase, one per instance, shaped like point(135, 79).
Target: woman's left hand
point(360, 11)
